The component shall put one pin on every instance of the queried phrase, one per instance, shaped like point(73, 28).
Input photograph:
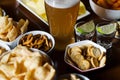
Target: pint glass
point(62, 16)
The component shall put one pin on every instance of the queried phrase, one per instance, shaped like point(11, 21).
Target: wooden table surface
point(110, 72)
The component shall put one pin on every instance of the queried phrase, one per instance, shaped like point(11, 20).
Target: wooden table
point(109, 72)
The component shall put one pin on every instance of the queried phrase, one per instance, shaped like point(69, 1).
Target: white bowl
point(82, 43)
point(12, 43)
point(49, 36)
point(104, 13)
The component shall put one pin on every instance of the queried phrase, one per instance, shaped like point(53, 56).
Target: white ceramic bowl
point(13, 43)
point(49, 36)
point(104, 13)
point(82, 43)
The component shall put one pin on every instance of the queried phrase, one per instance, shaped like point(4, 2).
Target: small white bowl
point(49, 36)
point(104, 13)
point(80, 44)
point(13, 43)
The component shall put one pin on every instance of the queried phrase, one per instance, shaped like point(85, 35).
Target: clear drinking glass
point(82, 32)
point(62, 16)
point(105, 33)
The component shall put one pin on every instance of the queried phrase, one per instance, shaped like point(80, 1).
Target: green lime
point(107, 29)
point(86, 27)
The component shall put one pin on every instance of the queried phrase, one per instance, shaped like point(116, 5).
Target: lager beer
point(62, 15)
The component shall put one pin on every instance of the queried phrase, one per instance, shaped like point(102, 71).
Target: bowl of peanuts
point(106, 9)
point(85, 56)
point(40, 40)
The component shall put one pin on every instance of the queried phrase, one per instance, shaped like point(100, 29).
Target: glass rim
point(79, 23)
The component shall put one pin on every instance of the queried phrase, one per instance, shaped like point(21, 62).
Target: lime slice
point(86, 28)
point(107, 29)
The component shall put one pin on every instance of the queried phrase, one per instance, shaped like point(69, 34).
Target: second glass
point(62, 16)
point(105, 33)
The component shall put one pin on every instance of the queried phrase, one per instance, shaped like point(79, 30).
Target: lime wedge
point(107, 29)
point(86, 28)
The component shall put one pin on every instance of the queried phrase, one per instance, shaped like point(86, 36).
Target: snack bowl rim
point(3, 45)
point(34, 32)
point(3, 11)
point(11, 44)
point(82, 43)
point(77, 74)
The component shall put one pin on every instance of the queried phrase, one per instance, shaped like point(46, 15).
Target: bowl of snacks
point(37, 39)
point(106, 9)
point(27, 64)
point(10, 30)
point(85, 56)
point(72, 76)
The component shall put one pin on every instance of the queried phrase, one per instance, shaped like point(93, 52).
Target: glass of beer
point(62, 16)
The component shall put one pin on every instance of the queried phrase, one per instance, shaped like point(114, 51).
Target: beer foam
point(62, 3)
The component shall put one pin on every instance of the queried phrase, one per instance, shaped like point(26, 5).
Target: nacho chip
point(12, 35)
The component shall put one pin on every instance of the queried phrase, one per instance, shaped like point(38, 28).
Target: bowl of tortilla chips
point(10, 30)
point(22, 63)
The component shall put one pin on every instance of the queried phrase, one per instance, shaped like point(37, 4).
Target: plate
point(83, 15)
point(33, 12)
